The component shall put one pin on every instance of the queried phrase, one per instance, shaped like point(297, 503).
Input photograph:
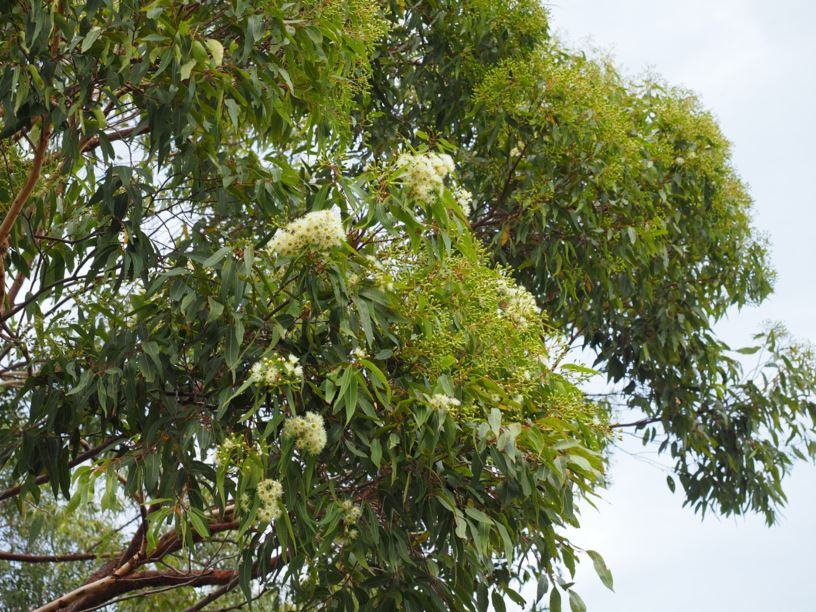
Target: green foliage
point(462, 332)
point(249, 307)
point(615, 203)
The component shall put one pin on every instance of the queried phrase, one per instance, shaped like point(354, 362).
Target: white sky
point(753, 63)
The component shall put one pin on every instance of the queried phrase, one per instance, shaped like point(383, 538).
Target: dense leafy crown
point(287, 290)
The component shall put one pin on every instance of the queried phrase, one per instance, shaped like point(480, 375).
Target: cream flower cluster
point(348, 538)
point(231, 446)
point(351, 513)
point(270, 493)
point(424, 173)
point(308, 431)
point(517, 304)
point(439, 401)
point(464, 198)
point(319, 230)
point(275, 371)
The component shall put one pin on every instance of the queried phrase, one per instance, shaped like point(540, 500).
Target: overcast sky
point(753, 63)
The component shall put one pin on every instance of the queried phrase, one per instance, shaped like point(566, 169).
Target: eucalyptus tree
point(288, 291)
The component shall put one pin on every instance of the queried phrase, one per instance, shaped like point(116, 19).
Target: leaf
point(36, 528)
point(379, 375)
point(90, 38)
point(542, 587)
point(350, 396)
point(376, 452)
point(670, 482)
point(494, 420)
point(186, 69)
point(152, 350)
point(576, 603)
point(216, 257)
point(555, 601)
point(461, 526)
point(84, 380)
point(365, 319)
point(235, 338)
point(216, 49)
point(580, 369)
point(498, 602)
point(245, 575)
point(478, 515)
point(601, 568)
point(232, 109)
point(506, 541)
point(198, 523)
point(216, 309)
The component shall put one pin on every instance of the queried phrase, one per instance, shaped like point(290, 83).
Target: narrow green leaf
point(90, 38)
point(576, 603)
point(198, 524)
point(601, 569)
point(542, 587)
point(186, 69)
point(376, 452)
point(216, 257)
point(216, 309)
point(555, 601)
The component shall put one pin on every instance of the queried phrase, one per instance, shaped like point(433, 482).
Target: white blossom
point(464, 198)
point(517, 304)
point(274, 371)
point(308, 431)
point(351, 512)
point(439, 401)
point(319, 231)
point(270, 493)
point(424, 173)
point(228, 449)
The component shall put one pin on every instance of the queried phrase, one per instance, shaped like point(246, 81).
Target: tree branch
point(79, 459)
point(638, 424)
point(216, 594)
point(18, 203)
point(23, 558)
point(171, 542)
point(93, 141)
point(118, 583)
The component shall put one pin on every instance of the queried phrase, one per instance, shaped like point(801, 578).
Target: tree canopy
point(289, 294)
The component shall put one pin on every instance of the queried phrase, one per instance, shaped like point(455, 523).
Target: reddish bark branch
point(18, 203)
point(93, 141)
point(122, 581)
point(15, 289)
point(112, 587)
point(23, 558)
point(216, 594)
point(171, 542)
point(119, 575)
